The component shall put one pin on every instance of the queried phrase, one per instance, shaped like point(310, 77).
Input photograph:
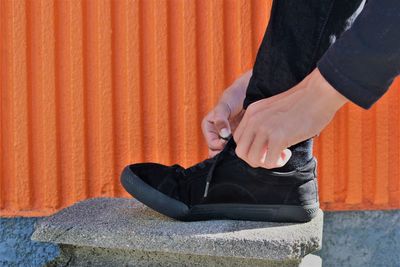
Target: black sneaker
point(225, 187)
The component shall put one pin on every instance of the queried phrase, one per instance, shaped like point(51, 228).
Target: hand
point(225, 116)
point(271, 125)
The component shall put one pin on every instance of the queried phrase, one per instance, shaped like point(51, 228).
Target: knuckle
point(277, 138)
point(251, 109)
point(254, 161)
point(252, 120)
point(269, 165)
point(252, 164)
point(264, 129)
point(235, 136)
point(239, 153)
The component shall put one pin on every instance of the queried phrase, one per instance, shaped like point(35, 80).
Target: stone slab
point(77, 256)
point(126, 224)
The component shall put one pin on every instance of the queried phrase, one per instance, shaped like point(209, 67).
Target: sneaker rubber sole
point(173, 208)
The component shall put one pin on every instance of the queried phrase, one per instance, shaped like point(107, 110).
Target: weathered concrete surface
point(122, 224)
point(16, 247)
point(100, 257)
point(350, 238)
point(361, 238)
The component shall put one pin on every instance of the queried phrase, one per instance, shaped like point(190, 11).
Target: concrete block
point(108, 231)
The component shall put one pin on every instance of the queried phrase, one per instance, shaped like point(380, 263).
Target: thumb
point(220, 120)
point(223, 127)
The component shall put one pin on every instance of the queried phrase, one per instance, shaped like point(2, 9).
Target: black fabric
point(298, 34)
point(363, 62)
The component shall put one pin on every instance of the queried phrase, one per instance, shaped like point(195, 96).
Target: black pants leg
point(298, 34)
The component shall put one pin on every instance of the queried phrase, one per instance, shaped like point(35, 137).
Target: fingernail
point(280, 162)
point(224, 133)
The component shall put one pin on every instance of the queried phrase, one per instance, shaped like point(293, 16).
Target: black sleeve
point(364, 61)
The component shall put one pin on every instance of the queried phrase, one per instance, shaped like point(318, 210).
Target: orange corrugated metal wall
point(89, 86)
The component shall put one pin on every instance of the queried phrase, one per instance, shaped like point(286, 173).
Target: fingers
point(222, 126)
point(242, 125)
point(243, 146)
point(258, 150)
point(265, 150)
point(216, 125)
point(220, 119)
point(214, 142)
point(260, 142)
point(276, 157)
point(258, 106)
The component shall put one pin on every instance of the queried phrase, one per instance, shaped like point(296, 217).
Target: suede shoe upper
point(231, 180)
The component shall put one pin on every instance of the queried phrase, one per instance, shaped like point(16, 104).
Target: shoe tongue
point(230, 146)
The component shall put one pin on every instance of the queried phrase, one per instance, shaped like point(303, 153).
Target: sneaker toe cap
point(153, 174)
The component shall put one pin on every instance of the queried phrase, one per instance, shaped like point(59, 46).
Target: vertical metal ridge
point(245, 37)
point(50, 102)
point(208, 58)
point(105, 98)
point(120, 99)
point(191, 118)
point(381, 193)
point(2, 87)
point(77, 115)
point(130, 116)
point(161, 82)
point(134, 83)
point(217, 46)
point(327, 168)
point(231, 28)
point(202, 18)
point(197, 151)
point(84, 28)
point(35, 195)
point(34, 111)
point(369, 154)
point(354, 152)
point(6, 97)
point(22, 199)
point(99, 101)
point(90, 75)
point(340, 155)
point(173, 129)
point(394, 145)
point(65, 101)
point(396, 135)
point(147, 69)
point(63, 116)
point(176, 86)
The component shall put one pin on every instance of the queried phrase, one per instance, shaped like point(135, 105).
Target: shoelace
point(198, 166)
point(213, 161)
point(217, 158)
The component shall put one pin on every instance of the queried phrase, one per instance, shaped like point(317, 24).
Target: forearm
point(363, 62)
point(234, 95)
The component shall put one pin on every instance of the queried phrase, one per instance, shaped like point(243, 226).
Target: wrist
point(233, 97)
point(328, 95)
